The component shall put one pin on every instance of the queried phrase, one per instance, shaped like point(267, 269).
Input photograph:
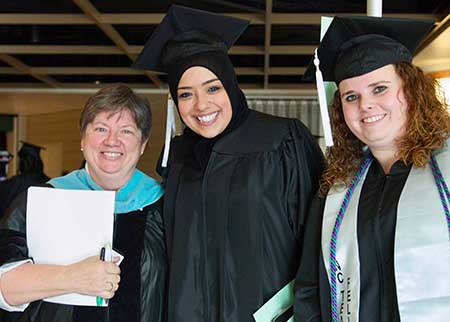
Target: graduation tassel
point(323, 103)
point(171, 129)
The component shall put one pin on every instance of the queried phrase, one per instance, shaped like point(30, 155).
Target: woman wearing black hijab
point(238, 183)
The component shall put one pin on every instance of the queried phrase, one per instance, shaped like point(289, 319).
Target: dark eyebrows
point(347, 93)
point(378, 83)
point(210, 81)
point(370, 85)
point(203, 84)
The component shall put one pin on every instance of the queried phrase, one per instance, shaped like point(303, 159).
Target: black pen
point(102, 254)
point(102, 258)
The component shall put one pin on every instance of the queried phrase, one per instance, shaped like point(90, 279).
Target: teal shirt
point(139, 192)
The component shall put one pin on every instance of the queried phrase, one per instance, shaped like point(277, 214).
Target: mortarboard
point(353, 46)
point(5, 156)
point(195, 31)
point(29, 149)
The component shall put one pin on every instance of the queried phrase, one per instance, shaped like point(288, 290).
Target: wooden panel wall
point(53, 128)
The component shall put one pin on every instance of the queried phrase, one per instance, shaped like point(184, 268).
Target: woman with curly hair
point(377, 241)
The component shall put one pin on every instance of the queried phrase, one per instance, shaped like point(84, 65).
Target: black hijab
point(189, 37)
point(197, 148)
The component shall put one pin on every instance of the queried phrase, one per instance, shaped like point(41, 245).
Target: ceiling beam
point(24, 68)
point(155, 18)
point(113, 50)
point(443, 25)
point(106, 22)
point(44, 19)
point(70, 86)
point(92, 12)
point(287, 70)
point(246, 50)
point(314, 18)
point(50, 70)
point(10, 71)
point(293, 50)
point(267, 37)
point(108, 18)
point(234, 5)
point(60, 50)
point(112, 33)
point(285, 90)
point(249, 70)
point(86, 71)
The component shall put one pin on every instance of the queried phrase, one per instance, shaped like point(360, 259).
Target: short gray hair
point(114, 99)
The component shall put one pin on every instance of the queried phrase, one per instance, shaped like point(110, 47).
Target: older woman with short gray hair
point(115, 126)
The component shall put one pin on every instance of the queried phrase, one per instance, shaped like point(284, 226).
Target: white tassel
point(323, 103)
point(374, 8)
point(171, 129)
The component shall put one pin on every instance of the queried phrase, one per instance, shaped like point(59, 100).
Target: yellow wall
point(56, 128)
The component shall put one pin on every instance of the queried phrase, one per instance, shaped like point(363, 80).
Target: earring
point(81, 149)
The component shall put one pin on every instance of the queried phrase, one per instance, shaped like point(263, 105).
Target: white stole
point(422, 248)
point(347, 273)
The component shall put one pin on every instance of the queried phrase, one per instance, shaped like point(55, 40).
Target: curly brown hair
point(428, 126)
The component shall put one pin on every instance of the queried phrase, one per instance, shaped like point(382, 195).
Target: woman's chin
point(208, 132)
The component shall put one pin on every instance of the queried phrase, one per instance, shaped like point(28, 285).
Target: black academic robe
point(12, 187)
point(234, 229)
point(377, 213)
point(138, 236)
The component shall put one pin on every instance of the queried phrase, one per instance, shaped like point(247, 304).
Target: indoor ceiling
point(87, 43)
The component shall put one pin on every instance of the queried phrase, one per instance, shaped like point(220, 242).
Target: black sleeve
point(13, 242)
point(9, 190)
point(306, 171)
point(169, 176)
point(13, 239)
point(154, 266)
point(307, 289)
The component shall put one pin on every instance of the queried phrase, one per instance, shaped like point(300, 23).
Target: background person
point(31, 173)
point(115, 126)
point(5, 157)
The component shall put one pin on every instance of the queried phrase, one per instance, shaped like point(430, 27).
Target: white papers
point(66, 226)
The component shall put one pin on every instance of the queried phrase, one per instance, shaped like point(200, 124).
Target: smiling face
point(203, 102)
point(112, 145)
point(375, 108)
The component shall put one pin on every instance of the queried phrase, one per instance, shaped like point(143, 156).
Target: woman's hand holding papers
point(94, 277)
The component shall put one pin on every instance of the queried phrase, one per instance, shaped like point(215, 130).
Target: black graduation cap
point(5, 156)
point(29, 149)
point(353, 46)
point(187, 24)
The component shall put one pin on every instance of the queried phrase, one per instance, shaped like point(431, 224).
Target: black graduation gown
point(234, 230)
point(377, 212)
point(138, 236)
point(11, 188)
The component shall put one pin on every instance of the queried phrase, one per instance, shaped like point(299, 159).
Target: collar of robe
point(139, 192)
point(421, 237)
